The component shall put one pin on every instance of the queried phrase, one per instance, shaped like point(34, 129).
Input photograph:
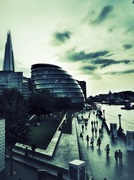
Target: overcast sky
point(91, 39)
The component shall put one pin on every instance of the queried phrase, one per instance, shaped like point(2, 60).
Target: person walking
point(120, 155)
point(81, 135)
point(99, 142)
point(95, 129)
point(107, 149)
point(116, 155)
point(87, 138)
point(26, 153)
point(92, 131)
point(92, 141)
point(33, 147)
point(82, 127)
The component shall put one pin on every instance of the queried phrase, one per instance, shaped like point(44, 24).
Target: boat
point(128, 106)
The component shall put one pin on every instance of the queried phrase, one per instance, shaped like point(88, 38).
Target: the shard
point(8, 56)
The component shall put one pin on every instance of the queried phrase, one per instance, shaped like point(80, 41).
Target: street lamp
point(11, 151)
point(104, 114)
point(120, 130)
point(119, 115)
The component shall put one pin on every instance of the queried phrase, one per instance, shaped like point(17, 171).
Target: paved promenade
point(71, 147)
point(102, 166)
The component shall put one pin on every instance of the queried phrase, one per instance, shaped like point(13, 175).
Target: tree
point(62, 103)
point(41, 102)
point(14, 109)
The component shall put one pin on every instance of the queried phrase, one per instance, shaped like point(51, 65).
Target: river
point(111, 116)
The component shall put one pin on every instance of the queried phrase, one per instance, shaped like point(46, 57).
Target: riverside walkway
point(71, 147)
point(102, 166)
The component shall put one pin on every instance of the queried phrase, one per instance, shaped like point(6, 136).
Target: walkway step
point(38, 164)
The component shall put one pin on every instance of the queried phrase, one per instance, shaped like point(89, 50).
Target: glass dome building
point(57, 81)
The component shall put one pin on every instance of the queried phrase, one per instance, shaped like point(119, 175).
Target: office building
point(57, 81)
point(8, 77)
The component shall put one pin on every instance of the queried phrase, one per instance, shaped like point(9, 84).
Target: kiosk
point(113, 129)
point(130, 140)
point(77, 170)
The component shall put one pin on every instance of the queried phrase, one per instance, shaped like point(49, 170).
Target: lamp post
point(120, 130)
point(119, 115)
point(11, 152)
point(104, 114)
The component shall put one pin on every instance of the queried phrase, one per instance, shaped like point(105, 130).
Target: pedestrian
point(92, 123)
point(85, 125)
point(26, 153)
point(92, 130)
point(87, 138)
point(82, 127)
point(81, 135)
point(33, 147)
point(107, 149)
point(95, 130)
point(92, 141)
point(100, 131)
point(116, 155)
point(99, 142)
point(120, 155)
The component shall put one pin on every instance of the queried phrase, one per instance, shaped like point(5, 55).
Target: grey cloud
point(127, 46)
point(88, 68)
point(61, 37)
point(104, 14)
point(130, 71)
point(82, 55)
point(93, 60)
point(90, 71)
point(107, 62)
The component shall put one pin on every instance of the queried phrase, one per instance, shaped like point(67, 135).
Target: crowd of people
point(96, 131)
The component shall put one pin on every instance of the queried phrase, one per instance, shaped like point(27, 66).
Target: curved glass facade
point(57, 81)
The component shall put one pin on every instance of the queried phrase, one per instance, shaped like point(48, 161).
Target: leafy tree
point(41, 102)
point(14, 109)
point(62, 103)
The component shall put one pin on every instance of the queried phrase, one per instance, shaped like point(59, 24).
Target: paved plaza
point(71, 147)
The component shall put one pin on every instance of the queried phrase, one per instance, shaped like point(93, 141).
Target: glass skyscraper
point(8, 64)
point(57, 81)
point(8, 77)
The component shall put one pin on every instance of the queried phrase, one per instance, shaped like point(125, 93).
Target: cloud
point(82, 55)
point(104, 14)
point(127, 46)
point(130, 71)
point(88, 68)
point(101, 17)
point(108, 62)
point(61, 37)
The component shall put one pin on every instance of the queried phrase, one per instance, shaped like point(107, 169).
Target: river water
point(111, 116)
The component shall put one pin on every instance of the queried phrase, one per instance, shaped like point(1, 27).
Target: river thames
point(111, 116)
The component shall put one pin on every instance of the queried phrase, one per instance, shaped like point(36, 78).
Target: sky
point(93, 40)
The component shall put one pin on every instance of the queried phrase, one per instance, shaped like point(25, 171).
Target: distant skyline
point(91, 39)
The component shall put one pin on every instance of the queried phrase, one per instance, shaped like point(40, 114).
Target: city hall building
point(57, 81)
